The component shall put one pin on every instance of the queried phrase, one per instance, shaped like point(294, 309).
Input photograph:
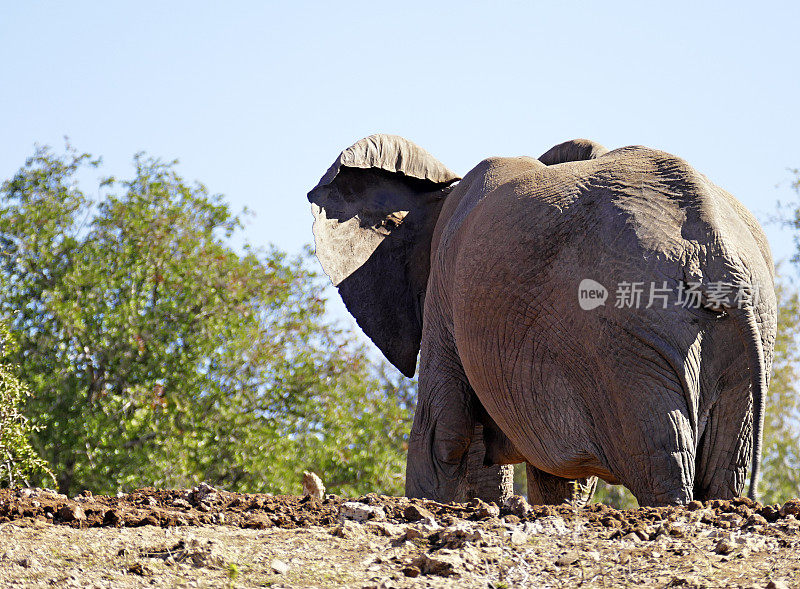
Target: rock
point(348, 529)
point(137, 569)
point(456, 536)
point(279, 567)
point(770, 513)
point(485, 510)
point(632, 537)
point(312, 486)
point(385, 528)
point(777, 584)
point(791, 507)
point(733, 519)
point(725, 546)
point(360, 512)
point(517, 505)
point(549, 526)
point(412, 533)
point(755, 520)
point(694, 505)
point(181, 503)
point(567, 558)
point(84, 497)
point(441, 565)
point(71, 513)
point(411, 571)
point(519, 538)
point(112, 518)
point(416, 512)
point(203, 493)
point(381, 584)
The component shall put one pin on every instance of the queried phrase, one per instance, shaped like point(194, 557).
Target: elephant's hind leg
point(446, 450)
point(490, 483)
point(442, 430)
point(548, 489)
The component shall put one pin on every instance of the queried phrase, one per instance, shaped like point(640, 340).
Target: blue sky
point(257, 98)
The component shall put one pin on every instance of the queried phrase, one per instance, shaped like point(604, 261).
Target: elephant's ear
point(572, 151)
point(374, 212)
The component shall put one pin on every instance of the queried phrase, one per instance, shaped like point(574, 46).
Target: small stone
point(181, 503)
point(385, 528)
point(411, 571)
point(348, 529)
point(416, 512)
point(29, 562)
point(791, 507)
point(112, 518)
point(71, 513)
point(412, 533)
point(203, 493)
point(755, 520)
point(632, 537)
point(694, 505)
point(279, 567)
point(312, 486)
point(567, 558)
point(441, 565)
point(725, 547)
point(519, 538)
point(361, 512)
point(776, 584)
point(770, 513)
point(517, 505)
point(485, 510)
point(733, 519)
point(137, 569)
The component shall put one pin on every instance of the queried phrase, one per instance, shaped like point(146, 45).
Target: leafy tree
point(159, 354)
point(18, 460)
point(781, 459)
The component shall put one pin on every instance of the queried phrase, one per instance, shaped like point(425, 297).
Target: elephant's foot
point(548, 489)
point(490, 483)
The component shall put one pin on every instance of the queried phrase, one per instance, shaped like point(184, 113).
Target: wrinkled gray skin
point(482, 275)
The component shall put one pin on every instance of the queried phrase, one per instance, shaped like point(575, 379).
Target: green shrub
point(18, 459)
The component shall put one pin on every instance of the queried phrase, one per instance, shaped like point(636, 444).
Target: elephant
point(499, 281)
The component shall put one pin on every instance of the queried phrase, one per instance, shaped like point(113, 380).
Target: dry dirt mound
point(207, 537)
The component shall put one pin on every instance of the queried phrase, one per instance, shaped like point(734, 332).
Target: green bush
point(18, 459)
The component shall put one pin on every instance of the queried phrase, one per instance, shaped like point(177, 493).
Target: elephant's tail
point(746, 322)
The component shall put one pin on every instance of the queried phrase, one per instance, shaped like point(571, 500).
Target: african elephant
point(488, 277)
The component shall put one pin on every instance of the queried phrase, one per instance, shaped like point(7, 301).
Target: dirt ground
point(204, 537)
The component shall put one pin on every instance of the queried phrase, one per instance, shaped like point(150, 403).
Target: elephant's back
point(629, 221)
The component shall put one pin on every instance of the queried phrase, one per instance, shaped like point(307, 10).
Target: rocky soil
point(204, 537)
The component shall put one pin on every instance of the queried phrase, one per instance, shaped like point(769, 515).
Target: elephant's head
point(375, 210)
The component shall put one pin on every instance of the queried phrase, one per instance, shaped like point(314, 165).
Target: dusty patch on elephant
point(208, 537)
